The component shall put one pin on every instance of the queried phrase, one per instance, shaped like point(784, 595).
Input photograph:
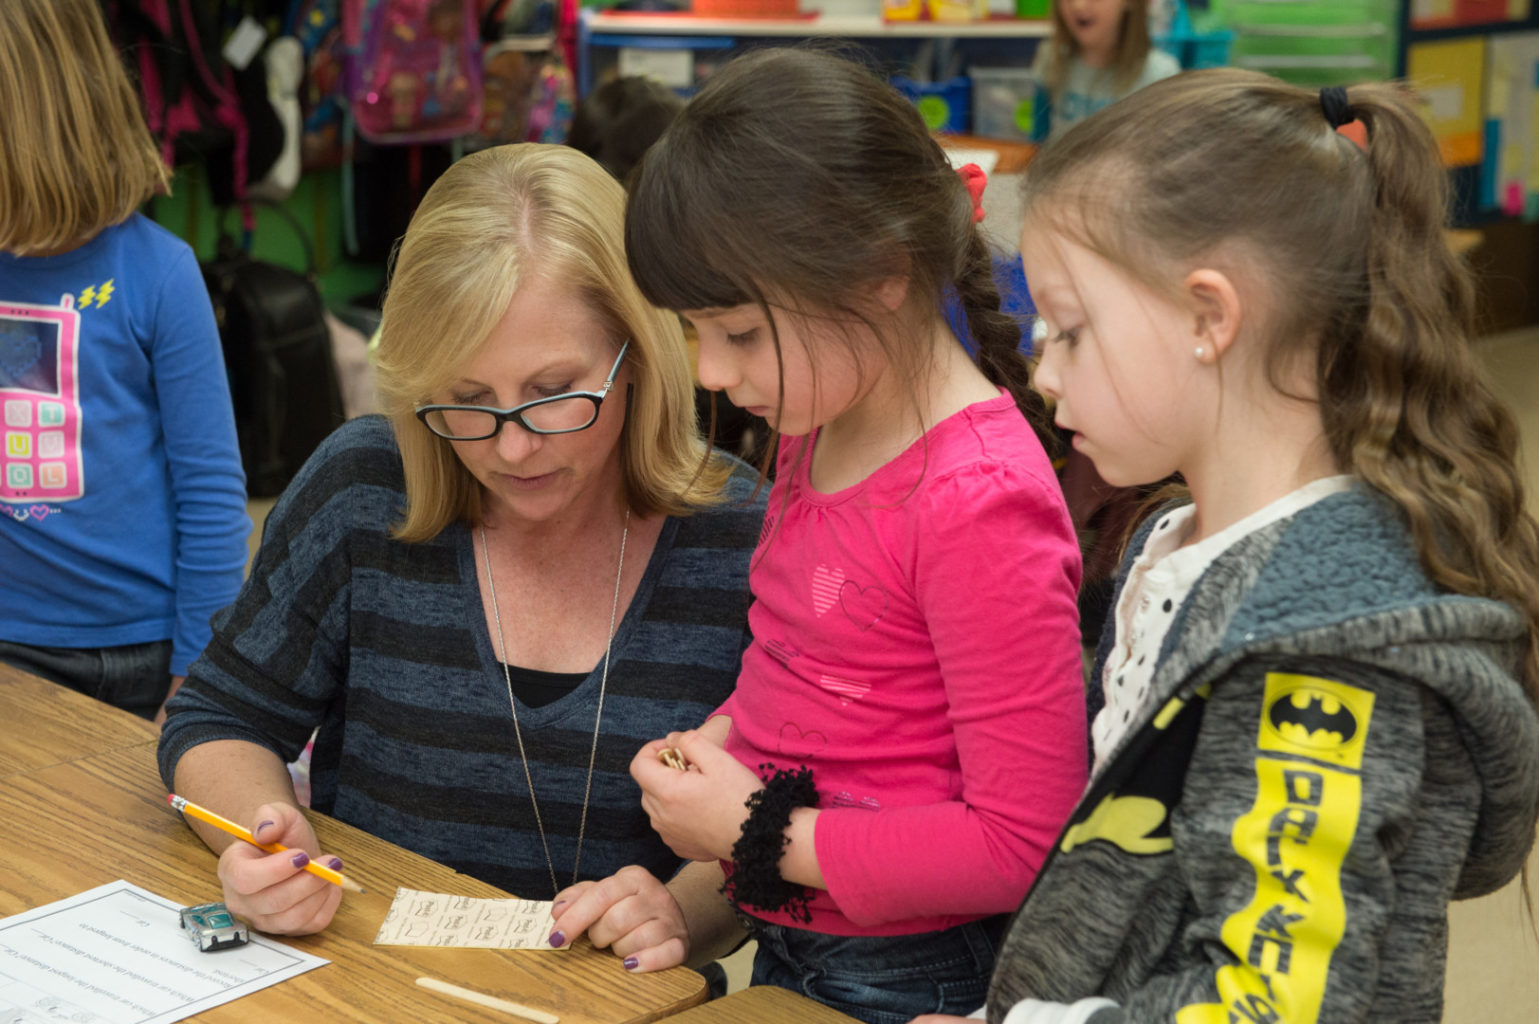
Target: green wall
point(316, 204)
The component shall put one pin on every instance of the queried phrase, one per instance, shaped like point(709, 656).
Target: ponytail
point(1405, 405)
point(1401, 396)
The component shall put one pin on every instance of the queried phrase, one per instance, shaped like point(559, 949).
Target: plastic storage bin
point(1193, 49)
point(1004, 100)
point(945, 106)
point(934, 10)
point(1316, 42)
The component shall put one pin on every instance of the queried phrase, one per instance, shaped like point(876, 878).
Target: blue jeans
point(882, 979)
point(134, 677)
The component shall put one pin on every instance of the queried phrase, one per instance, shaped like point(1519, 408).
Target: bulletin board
point(1449, 76)
point(1510, 172)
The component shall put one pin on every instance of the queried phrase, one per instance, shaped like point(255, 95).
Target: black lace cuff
point(756, 880)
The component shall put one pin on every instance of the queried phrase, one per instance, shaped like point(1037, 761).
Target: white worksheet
point(117, 954)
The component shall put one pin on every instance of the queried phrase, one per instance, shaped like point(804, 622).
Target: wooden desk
point(1013, 156)
point(42, 723)
point(74, 825)
point(762, 1004)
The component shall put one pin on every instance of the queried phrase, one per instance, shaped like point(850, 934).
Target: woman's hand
point(630, 912)
point(273, 891)
point(699, 812)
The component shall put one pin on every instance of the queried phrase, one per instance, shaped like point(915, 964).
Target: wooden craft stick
point(673, 758)
point(491, 1002)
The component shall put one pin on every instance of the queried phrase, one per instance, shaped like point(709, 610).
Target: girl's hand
point(940, 1018)
point(699, 813)
point(630, 912)
point(273, 891)
point(160, 714)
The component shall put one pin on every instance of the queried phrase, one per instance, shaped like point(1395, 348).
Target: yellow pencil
point(187, 807)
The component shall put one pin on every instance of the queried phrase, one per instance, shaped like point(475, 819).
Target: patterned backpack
point(415, 72)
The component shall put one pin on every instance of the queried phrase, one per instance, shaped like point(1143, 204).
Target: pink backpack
point(415, 70)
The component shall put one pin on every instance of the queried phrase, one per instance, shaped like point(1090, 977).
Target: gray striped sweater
point(383, 646)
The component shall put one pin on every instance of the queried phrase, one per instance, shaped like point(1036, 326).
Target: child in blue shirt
point(1099, 52)
point(122, 502)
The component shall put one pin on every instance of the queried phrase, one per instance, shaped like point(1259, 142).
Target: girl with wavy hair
point(1319, 677)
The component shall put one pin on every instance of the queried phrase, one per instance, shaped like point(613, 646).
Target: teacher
point(487, 600)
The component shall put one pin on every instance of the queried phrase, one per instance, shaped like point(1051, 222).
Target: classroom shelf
point(854, 26)
point(526, 44)
point(598, 30)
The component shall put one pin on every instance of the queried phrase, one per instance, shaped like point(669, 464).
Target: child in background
point(1099, 52)
point(1320, 673)
point(125, 507)
point(909, 719)
point(618, 121)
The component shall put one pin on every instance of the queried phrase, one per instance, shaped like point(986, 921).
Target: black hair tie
point(1333, 103)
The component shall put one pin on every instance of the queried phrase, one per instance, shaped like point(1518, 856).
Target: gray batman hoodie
point(1335, 748)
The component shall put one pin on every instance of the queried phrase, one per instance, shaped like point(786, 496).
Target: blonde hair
point(493, 220)
point(77, 156)
point(1127, 61)
point(1362, 285)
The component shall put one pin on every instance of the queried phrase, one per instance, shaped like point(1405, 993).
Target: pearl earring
point(1200, 352)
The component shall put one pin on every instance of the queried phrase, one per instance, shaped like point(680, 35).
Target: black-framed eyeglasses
point(558, 414)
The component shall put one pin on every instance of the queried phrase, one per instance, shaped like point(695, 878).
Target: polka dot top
point(1164, 572)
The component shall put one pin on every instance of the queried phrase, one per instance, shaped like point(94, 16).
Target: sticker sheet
point(437, 919)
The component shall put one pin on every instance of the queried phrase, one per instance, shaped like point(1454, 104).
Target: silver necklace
point(598, 717)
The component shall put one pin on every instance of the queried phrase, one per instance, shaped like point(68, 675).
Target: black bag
point(277, 351)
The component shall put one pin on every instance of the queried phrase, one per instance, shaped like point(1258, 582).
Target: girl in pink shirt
point(908, 731)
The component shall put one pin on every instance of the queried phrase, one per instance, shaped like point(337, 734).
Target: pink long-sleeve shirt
point(916, 643)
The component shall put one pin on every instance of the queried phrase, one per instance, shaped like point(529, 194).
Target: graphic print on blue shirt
point(1076, 106)
point(40, 402)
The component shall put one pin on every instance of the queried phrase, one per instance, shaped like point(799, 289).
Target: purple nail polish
point(630, 963)
point(265, 824)
point(336, 863)
point(300, 859)
point(558, 905)
point(557, 939)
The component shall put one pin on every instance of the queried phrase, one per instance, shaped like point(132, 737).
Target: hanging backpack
point(317, 25)
point(198, 107)
point(415, 68)
point(277, 352)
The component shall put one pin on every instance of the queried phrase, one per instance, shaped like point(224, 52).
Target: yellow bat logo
point(1312, 718)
